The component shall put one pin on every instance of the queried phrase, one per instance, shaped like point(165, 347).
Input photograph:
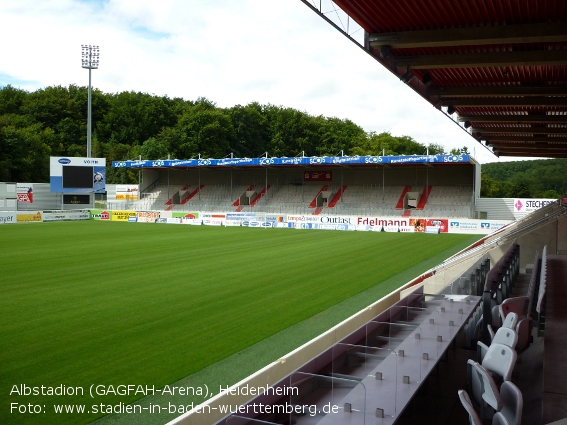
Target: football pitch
point(89, 308)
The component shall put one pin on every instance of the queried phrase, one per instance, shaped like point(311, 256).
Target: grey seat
point(524, 331)
point(500, 419)
point(513, 402)
point(508, 401)
point(474, 418)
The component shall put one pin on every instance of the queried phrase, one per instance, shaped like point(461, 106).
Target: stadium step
point(170, 201)
point(400, 204)
point(237, 202)
point(313, 203)
point(317, 211)
point(337, 197)
point(260, 195)
point(406, 213)
point(192, 194)
point(424, 197)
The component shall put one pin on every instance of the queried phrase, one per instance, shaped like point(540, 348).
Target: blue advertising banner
point(313, 160)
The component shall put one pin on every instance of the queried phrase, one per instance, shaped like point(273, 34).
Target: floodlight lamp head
point(427, 80)
point(407, 76)
point(90, 56)
point(450, 110)
point(385, 51)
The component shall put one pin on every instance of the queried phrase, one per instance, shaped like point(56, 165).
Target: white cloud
point(229, 51)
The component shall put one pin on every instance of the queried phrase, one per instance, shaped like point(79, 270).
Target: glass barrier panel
point(321, 399)
point(386, 334)
point(357, 361)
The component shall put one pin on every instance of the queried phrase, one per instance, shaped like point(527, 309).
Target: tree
point(251, 131)
point(11, 100)
point(435, 149)
point(460, 151)
point(519, 189)
point(201, 130)
point(153, 149)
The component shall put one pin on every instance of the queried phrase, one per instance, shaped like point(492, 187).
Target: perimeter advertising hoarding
point(530, 205)
point(66, 215)
point(103, 215)
point(118, 215)
point(24, 192)
point(7, 217)
point(29, 217)
point(77, 174)
point(361, 223)
point(147, 216)
point(126, 192)
point(185, 215)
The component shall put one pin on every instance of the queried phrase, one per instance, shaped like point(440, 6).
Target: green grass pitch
point(89, 303)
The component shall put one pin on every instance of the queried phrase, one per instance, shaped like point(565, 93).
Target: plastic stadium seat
point(506, 336)
point(509, 320)
point(496, 316)
point(484, 390)
point(508, 402)
point(500, 419)
point(521, 304)
point(474, 419)
point(500, 359)
point(524, 331)
point(513, 402)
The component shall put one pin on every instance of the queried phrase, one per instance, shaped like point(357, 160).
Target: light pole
point(90, 61)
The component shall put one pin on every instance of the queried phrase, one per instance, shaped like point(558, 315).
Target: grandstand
point(412, 186)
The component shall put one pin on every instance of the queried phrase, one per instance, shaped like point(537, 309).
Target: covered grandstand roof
point(498, 67)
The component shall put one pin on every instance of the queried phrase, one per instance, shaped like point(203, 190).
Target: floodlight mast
point(89, 61)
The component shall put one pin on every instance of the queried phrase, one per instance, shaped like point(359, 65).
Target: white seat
point(474, 419)
point(500, 360)
point(508, 402)
point(510, 319)
point(506, 336)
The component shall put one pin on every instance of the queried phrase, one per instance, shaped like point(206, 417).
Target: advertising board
point(77, 175)
point(24, 192)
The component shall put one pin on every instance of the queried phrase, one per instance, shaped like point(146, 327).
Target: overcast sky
point(230, 51)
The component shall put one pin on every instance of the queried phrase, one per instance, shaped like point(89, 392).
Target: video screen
point(78, 177)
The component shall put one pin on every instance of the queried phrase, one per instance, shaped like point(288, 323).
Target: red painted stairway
point(192, 194)
point(400, 204)
point(313, 203)
point(237, 202)
point(336, 197)
point(260, 195)
point(424, 196)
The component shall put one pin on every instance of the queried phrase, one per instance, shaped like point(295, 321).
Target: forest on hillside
point(53, 122)
point(542, 178)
